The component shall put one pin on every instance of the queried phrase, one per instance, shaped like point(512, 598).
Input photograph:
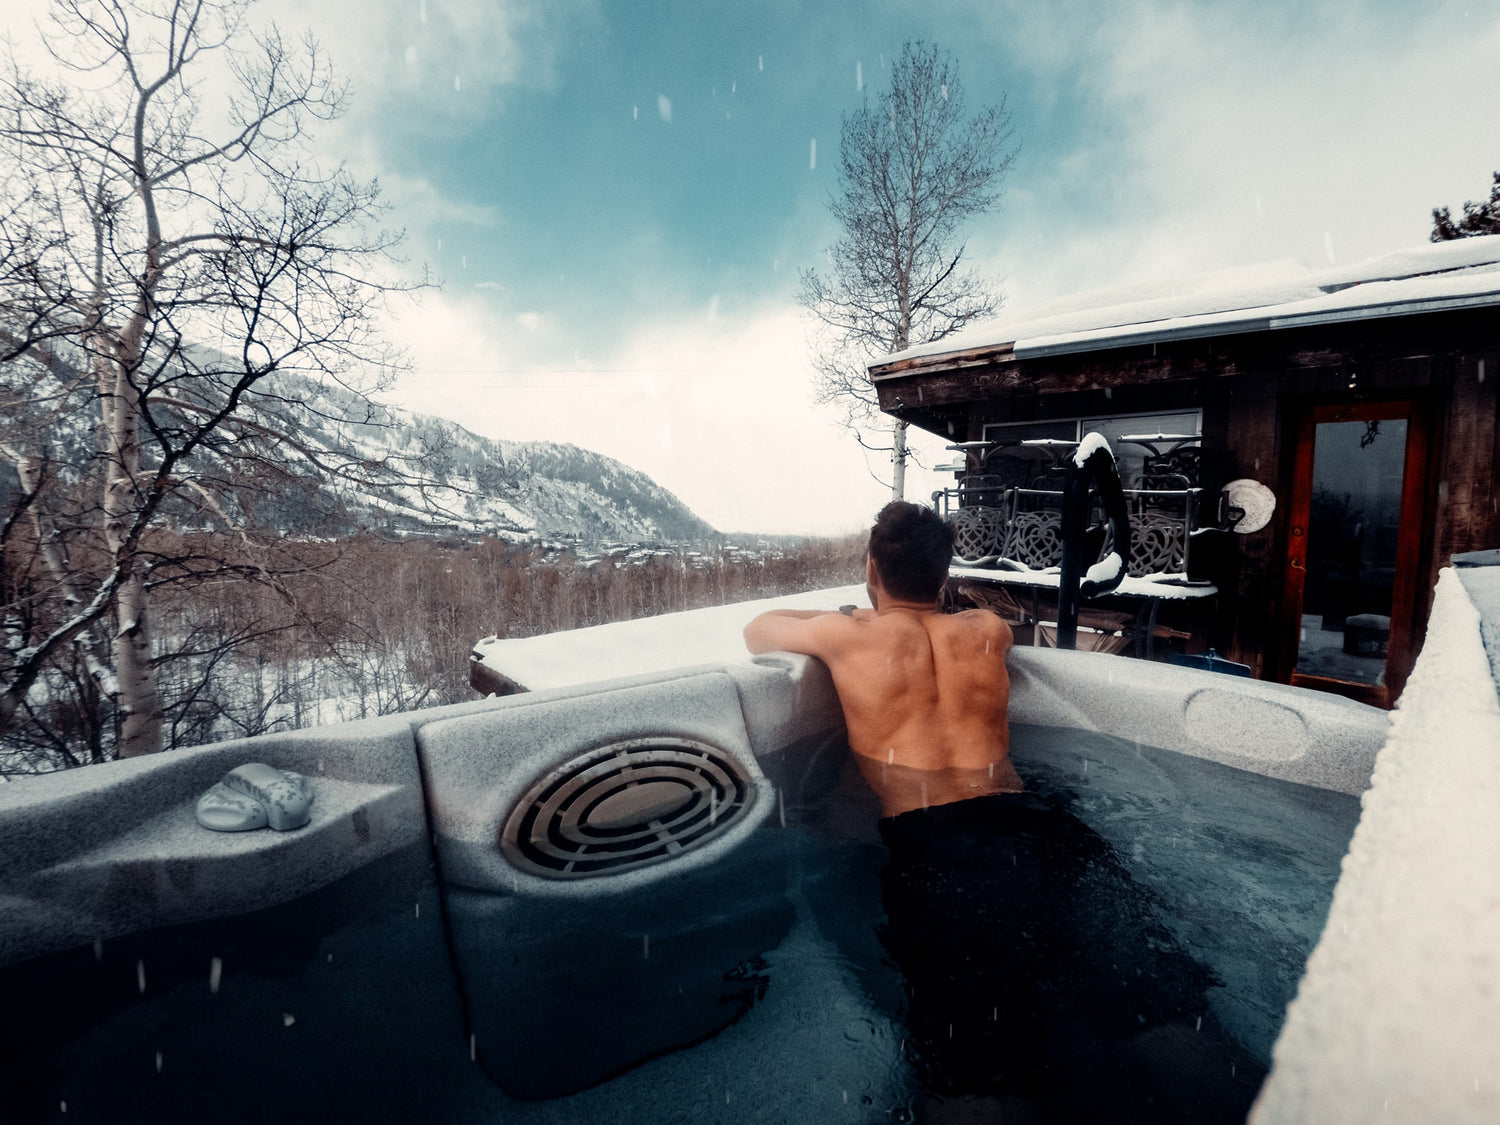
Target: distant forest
point(371, 626)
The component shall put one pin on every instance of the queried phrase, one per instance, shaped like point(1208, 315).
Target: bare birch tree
point(165, 267)
point(912, 171)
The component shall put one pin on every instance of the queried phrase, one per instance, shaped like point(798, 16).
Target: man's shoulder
point(976, 618)
point(976, 623)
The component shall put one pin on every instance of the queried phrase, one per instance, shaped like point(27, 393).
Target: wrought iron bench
point(1006, 515)
point(1164, 509)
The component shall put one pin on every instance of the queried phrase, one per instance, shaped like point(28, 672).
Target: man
point(1040, 981)
point(924, 692)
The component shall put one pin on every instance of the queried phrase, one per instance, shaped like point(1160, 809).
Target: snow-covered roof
point(1436, 277)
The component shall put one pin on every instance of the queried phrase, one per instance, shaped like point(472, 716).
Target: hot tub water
point(345, 1002)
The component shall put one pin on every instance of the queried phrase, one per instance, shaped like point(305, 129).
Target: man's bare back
point(924, 693)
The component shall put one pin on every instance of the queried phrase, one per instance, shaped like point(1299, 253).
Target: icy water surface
point(762, 993)
point(1244, 865)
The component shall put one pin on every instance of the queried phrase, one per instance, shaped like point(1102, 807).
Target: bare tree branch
point(912, 171)
point(165, 281)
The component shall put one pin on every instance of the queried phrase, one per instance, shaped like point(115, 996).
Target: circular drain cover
point(625, 805)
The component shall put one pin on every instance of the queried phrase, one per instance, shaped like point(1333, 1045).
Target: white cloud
point(719, 411)
point(418, 197)
point(1220, 134)
point(1356, 132)
point(495, 45)
point(404, 56)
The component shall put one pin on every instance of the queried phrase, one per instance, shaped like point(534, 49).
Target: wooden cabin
point(1363, 397)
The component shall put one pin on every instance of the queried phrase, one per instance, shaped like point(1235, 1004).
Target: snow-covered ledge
point(1398, 1015)
point(668, 642)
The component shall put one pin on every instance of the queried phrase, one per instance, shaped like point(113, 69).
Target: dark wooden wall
point(1253, 390)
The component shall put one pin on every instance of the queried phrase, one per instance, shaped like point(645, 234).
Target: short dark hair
point(911, 547)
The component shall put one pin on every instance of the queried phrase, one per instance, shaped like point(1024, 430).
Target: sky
point(617, 196)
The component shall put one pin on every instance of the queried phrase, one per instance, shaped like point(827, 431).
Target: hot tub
point(411, 954)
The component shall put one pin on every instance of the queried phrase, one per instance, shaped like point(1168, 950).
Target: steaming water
point(345, 1004)
point(1244, 865)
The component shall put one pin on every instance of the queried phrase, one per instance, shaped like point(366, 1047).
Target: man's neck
point(892, 605)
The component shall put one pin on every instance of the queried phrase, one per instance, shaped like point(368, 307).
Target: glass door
point(1354, 543)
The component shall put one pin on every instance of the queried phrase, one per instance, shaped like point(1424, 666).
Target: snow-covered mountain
point(463, 483)
point(308, 457)
point(567, 489)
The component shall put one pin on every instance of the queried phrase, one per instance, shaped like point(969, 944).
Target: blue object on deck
point(1209, 661)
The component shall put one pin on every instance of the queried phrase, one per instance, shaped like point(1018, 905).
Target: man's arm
point(815, 632)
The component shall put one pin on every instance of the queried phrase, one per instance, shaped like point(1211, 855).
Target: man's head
point(911, 548)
